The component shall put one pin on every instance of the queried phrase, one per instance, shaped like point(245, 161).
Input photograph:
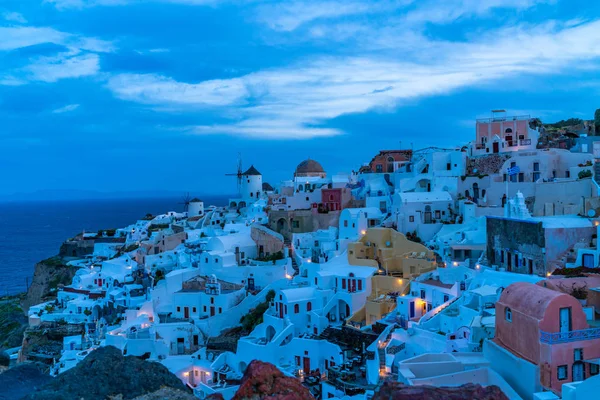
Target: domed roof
point(309, 167)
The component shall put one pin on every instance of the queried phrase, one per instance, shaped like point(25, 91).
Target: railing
point(504, 118)
point(525, 142)
point(480, 146)
point(572, 336)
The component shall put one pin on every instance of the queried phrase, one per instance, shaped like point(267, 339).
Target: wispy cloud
point(12, 16)
point(79, 4)
point(66, 109)
point(298, 101)
point(65, 65)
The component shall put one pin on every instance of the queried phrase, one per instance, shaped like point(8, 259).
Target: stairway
point(597, 172)
point(288, 243)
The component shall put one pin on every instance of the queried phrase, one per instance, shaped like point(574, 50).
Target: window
point(567, 174)
point(578, 355)
point(296, 309)
point(343, 284)
point(504, 178)
point(379, 168)
point(204, 308)
point(193, 309)
point(437, 214)
point(295, 224)
point(536, 166)
point(345, 223)
point(446, 298)
point(306, 198)
point(178, 309)
point(308, 306)
point(561, 372)
point(220, 310)
point(521, 177)
point(411, 218)
point(508, 314)
point(212, 300)
point(448, 166)
point(422, 294)
point(594, 369)
point(359, 284)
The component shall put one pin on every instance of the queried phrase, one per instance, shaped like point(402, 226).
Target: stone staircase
point(288, 243)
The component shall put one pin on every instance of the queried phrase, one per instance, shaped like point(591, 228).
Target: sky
point(138, 95)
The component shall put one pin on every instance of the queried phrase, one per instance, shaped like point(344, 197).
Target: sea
point(33, 231)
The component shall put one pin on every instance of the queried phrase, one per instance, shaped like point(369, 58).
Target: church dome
point(309, 168)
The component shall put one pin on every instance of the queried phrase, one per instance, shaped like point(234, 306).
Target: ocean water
point(33, 231)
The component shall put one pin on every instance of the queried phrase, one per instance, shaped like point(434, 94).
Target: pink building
point(549, 329)
point(501, 133)
point(336, 199)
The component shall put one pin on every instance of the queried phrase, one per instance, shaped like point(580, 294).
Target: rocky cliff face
point(48, 274)
point(264, 381)
point(105, 373)
point(397, 391)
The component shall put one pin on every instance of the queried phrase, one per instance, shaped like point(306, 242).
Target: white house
point(355, 221)
point(422, 212)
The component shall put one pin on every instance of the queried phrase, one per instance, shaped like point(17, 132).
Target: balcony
point(567, 337)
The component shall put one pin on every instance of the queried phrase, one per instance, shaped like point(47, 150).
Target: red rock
point(398, 391)
point(264, 381)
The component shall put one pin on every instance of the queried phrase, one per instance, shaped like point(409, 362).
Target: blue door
point(412, 309)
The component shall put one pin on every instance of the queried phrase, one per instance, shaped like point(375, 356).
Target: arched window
point(508, 130)
point(508, 314)
point(390, 159)
point(300, 187)
point(308, 306)
point(296, 308)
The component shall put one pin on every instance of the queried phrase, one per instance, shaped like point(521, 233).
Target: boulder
point(107, 373)
point(264, 381)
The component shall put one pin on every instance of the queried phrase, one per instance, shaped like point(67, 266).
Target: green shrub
point(586, 173)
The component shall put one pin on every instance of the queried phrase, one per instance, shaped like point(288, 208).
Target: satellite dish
point(591, 213)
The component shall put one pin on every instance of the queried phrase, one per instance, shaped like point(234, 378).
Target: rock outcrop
point(106, 373)
point(12, 322)
point(48, 274)
point(264, 381)
point(397, 391)
point(22, 380)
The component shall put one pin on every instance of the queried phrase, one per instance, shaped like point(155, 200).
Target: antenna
point(185, 200)
point(238, 174)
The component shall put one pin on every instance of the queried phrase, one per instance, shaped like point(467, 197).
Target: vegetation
point(565, 122)
point(107, 232)
point(131, 247)
point(575, 272)
point(148, 217)
point(586, 173)
point(255, 316)
point(413, 237)
point(55, 261)
point(272, 257)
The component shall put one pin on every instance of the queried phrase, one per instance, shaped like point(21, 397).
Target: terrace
point(571, 336)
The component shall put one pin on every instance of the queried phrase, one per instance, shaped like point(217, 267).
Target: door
point(280, 310)
point(306, 365)
point(412, 309)
point(186, 312)
point(428, 217)
point(496, 147)
point(565, 319)
point(353, 286)
point(180, 346)
point(578, 372)
point(250, 283)
point(509, 259)
point(588, 260)
point(212, 310)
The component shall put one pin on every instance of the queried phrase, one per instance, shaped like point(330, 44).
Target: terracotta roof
point(309, 166)
point(529, 299)
point(252, 171)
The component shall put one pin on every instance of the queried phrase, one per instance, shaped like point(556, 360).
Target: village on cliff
point(441, 267)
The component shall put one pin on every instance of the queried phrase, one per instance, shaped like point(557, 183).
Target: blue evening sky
point(127, 95)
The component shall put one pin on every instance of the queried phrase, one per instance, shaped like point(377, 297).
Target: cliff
point(48, 274)
point(106, 373)
point(12, 322)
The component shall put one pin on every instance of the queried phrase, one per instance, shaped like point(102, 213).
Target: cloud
point(65, 109)
point(298, 101)
point(80, 4)
point(14, 17)
point(65, 65)
point(156, 89)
